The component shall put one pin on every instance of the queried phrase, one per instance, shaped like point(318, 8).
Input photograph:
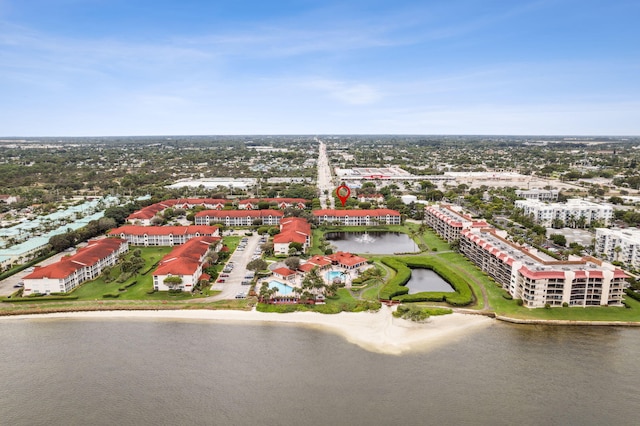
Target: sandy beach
point(377, 331)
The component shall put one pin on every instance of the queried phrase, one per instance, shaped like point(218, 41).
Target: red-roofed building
point(292, 230)
point(145, 215)
point(239, 217)
point(163, 235)
point(207, 203)
point(281, 203)
point(284, 274)
point(346, 260)
point(321, 262)
point(186, 262)
point(538, 280)
point(370, 217)
point(71, 271)
point(448, 222)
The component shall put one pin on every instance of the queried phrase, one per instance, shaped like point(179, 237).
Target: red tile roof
point(86, 256)
point(319, 261)
point(273, 201)
point(345, 258)
point(358, 213)
point(293, 229)
point(185, 259)
point(240, 213)
point(285, 272)
point(165, 230)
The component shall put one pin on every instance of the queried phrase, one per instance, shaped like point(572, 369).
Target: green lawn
point(343, 302)
point(96, 289)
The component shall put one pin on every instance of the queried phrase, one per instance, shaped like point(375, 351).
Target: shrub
point(110, 296)
point(507, 296)
point(396, 289)
point(632, 294)
point(519, 302)
point(565, 305)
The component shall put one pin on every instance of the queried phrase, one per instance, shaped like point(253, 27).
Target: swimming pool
point(331, 275)
point(283, 289)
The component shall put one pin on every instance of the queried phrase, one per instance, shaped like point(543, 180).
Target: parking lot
point(238, 274)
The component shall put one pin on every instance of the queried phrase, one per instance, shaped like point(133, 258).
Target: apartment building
point(163, 235)
point(281, 203)
point(538, 279)
point(185, 262)
point(292, 229)
point(239, 217)
point(358, 217)
point(621, 245)
point(448, 221)
point(71, 271)
point(538, 194)
point(574, 213)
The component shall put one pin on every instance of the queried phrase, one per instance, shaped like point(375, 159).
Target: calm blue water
point(426, 280)
point(168, 372)
point(379, 242)
point(283, 289)
point(331, 275)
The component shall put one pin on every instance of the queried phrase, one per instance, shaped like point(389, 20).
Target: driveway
point(233, 283)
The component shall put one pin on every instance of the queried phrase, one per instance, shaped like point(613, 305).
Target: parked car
point(224, 275)
point(241, 296)
point(221, 280)
point(246, 282)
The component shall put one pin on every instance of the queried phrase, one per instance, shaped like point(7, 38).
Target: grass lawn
point(344, 302)
point(434, 242)
point(232, 242)
point(96, 289)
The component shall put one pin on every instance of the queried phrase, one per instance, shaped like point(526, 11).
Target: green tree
point(558, 239)
point(292, 263)
point(173, 281)
point(257, 265)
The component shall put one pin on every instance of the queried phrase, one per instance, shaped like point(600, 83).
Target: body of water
point(283, 289)
point(423, 279)
point(377, 242)
point(158, 372)
point(332, 275)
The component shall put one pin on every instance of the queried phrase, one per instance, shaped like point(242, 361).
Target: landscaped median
point(396, 289)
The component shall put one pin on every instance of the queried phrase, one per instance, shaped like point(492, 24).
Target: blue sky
point(154, 67)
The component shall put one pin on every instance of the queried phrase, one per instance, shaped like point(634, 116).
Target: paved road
point(325, 179)
point(233, 283)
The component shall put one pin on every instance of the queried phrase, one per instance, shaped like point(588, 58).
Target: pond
point(378, 242)
point(426, 280)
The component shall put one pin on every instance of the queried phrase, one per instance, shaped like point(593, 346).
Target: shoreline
point(373, 331)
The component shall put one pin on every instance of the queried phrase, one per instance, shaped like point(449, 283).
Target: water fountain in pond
point(365, 239)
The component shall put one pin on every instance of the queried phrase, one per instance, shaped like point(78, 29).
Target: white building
point(239, 217)
point(71, 271)
point(622, 245)
point(186, 262)
point(574, 213)
point(292, 230)
point(538, 194)
point(358, 217)
point(539, 280)
point(448, 221)
point(163, 235)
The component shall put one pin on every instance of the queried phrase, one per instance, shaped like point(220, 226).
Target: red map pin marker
point(343, 193)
